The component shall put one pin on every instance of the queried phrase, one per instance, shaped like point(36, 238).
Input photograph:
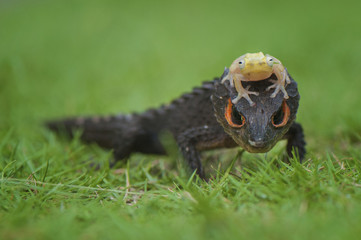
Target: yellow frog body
point(256, 67)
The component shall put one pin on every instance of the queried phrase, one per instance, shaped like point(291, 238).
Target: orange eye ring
point(228, 116)
point(286, 115)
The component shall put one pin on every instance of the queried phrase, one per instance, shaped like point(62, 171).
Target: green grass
point(64, 58)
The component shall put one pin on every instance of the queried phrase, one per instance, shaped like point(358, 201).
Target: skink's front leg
point(282, 80)
point(296, 141)
point(187, 142)
point(194, 140)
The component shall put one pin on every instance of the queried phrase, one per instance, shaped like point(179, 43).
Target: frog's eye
point(280, 118)
point(234, 118)
point(241, 64)
point(270, 61)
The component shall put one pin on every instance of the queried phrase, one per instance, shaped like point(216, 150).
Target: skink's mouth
point(257, 144)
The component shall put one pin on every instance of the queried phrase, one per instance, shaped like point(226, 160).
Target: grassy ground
point(61, 58)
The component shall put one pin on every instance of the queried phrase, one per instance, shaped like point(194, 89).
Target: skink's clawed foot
point(245, 94)
point(278, 86)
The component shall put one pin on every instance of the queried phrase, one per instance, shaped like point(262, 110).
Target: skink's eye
point(280, 118)
point(233, 117)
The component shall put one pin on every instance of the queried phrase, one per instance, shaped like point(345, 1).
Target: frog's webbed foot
point(279, 85)
point(244, 93)
point(236, 81)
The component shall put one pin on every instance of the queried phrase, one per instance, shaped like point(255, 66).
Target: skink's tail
point(123, 133)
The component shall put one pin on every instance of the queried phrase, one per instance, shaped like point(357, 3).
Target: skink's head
point(256, 128)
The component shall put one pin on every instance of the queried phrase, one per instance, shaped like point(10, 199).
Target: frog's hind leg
point(288, 80)
point(228, 77)
point(280, 83)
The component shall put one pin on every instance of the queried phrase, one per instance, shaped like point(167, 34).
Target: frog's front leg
point(282, 80)
point(242, 93)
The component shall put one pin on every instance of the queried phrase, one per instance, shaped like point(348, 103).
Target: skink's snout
point(257, 130)
point(258, 143)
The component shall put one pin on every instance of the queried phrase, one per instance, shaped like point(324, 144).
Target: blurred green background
point(60, 58)
point(65, 58)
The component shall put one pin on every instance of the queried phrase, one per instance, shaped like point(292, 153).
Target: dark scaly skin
point(197, 122)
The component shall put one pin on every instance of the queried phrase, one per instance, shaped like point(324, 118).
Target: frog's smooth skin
point(256, 67)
